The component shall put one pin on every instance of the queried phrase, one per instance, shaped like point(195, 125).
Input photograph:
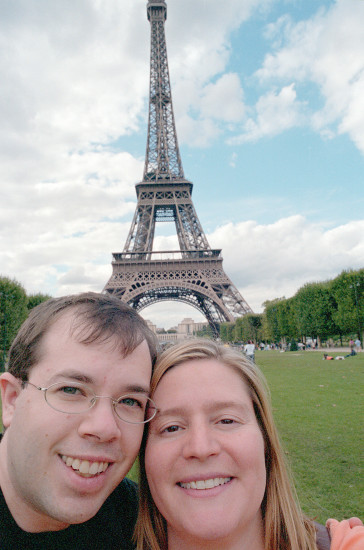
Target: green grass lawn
point(318, 409)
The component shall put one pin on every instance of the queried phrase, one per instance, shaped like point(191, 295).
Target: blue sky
point(268, 97)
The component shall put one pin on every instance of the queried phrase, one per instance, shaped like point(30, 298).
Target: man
point(357, 345)
point(249, 350)
point(75, 400)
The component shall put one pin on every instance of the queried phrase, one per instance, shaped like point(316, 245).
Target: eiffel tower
point(193, 274)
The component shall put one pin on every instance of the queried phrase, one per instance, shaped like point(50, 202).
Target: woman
point(213, 473)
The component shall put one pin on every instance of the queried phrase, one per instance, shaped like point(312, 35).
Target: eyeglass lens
point(77, 398)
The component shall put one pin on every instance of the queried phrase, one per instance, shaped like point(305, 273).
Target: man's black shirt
point(111, 528)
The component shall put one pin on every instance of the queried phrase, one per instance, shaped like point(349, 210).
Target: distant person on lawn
point(249, 350)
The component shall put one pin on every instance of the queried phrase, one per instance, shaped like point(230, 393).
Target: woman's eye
point(227, 421)
point(171, 429)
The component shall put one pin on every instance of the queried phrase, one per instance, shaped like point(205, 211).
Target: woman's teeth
point(205, 483)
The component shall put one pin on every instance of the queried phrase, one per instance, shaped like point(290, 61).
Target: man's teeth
point(205, 483)
point(85, 467)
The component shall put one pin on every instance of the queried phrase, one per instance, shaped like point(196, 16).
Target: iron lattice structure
point(193, 274)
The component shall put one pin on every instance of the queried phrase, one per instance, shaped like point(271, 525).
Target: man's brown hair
point(97, 318)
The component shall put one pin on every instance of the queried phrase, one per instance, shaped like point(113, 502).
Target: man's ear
point(10, 389)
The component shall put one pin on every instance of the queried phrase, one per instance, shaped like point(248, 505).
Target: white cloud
point(327, 51)
point(52, 65)
point(88, 187)
point(201, 31)
point(215, 105)
point(198, 55)
point(197, 132)
point(224, 99)
point(233, 158)
point(274, 113)
point(50, 228)
point(269, 261)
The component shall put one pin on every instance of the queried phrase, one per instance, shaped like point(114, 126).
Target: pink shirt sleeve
point(344, 537)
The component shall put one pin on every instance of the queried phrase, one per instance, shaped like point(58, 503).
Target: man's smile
point(85, 468)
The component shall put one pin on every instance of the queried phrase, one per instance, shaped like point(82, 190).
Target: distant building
point(187, 328)
point(152, 327)
point(168, 338)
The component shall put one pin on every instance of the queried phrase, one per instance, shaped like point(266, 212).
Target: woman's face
point(205, 458)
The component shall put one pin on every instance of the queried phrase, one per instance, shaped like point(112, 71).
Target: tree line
point(321, 310)
point(15, 305)
point(332, 309)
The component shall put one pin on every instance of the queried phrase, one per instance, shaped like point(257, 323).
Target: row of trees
point(331, 309)
point(14, 308)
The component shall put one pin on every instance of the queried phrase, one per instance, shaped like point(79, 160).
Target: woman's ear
point(10, 389)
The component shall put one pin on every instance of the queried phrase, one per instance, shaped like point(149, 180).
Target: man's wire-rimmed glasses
point(76, 398)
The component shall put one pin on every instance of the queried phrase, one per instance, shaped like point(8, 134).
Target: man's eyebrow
point(85, 379)
point(137, 389)
point(72, 375)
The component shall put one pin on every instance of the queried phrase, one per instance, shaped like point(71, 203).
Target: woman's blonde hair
point(285, 526)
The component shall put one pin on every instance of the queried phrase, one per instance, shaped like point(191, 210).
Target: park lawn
point(317, 406)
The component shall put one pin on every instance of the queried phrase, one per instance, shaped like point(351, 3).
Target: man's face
point(41, 448)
